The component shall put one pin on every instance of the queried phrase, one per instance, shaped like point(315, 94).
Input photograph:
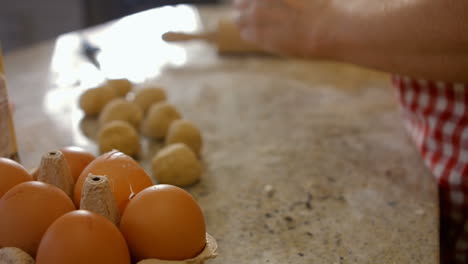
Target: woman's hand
point(420, 38)
point(289, 27)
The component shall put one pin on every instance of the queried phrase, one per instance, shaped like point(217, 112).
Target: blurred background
point(26, 22)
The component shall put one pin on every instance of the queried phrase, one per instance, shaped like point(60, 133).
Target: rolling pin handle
point(180, 37)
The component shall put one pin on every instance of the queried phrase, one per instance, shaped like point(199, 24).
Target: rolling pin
point(226, 38)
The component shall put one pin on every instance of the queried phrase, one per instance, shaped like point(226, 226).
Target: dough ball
point(158, 120)
point(177, 165)
point(184, 131)
point(120, 86)
point(121, 109)
point(145, 97)
point(119, 135)
point(93, 100)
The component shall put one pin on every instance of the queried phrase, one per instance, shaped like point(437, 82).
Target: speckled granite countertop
point(298, 171)
point(305, 162)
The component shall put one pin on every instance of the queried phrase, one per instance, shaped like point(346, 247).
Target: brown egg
point(125, 175)
point(77, 159)
point(164, 222)
point(11, 174)
point(82, 237)
point(27, 210)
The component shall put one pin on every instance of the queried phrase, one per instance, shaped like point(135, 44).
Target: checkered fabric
point(436, 116)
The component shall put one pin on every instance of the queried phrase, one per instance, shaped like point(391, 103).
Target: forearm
point(421, 38)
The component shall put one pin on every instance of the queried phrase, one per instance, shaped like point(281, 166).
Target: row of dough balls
point(121, 118)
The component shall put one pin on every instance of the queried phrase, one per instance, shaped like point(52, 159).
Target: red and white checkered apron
point(436, 116)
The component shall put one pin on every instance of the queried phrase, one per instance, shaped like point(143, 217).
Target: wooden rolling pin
point(226, 38)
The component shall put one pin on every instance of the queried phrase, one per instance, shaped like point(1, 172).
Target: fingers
point(261, 22)
point(242, 4)
point(246, 17)
point(247, 26)
point(258, 26)
point(296, 4)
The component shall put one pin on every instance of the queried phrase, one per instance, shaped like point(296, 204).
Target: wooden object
point(226, 38)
